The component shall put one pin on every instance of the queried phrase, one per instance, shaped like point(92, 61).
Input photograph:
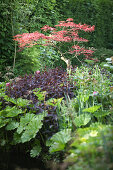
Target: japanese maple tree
point(65, 32)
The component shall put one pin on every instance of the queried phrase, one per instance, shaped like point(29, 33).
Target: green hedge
point(6, 38)
point(94, 12)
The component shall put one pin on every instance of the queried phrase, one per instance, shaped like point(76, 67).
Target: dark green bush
point(103, 53)
point(94, 12)
point(6, 38)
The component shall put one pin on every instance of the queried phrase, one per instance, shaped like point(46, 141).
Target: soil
point(19, 161)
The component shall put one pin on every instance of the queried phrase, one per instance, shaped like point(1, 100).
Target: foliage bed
point(64, 119)
point(60, 116)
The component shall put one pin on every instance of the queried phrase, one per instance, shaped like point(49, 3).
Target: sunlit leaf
point(62, 137)
point(59, 140)
point(56, 147)
point(9, 99)
point(53, 101)
point(22, 102)
point(92, 109)
point(82, 120)
point(13, 111)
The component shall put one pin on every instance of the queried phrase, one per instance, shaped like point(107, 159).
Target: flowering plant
point(66, 32)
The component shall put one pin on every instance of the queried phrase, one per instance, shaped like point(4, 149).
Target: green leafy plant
point(82, 120)
point(40, 94)
point(89, 145)
point(59, 140)
point(17, 124)
point(35, 151)
point(67, 34)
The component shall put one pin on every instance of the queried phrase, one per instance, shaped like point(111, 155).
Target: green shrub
point(93, 12)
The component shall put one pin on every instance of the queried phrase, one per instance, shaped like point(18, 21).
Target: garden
point(56, 85)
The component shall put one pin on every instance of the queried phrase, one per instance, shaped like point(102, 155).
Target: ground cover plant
point(89, 118)
point(86, 104)
point(25, 102)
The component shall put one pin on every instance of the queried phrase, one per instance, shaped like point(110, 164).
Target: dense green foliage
point(94, 12)
point(30, 15)
point(6, 35)
point(60, 117)
point(19, 17)
point(54, 116)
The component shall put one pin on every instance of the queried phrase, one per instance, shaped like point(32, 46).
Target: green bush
point(102, 53)
point(93, 12)
point(6, 38)
point(36, 58)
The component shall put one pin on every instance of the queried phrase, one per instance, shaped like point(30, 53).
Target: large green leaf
point(12, 125)
point(9, 99)
point(59, 140)
point(82, 120)
point(12, 111)
point(3, 122)
point(31, 130)
point(62, 137)
point(35, 151)
point(92, 109)
point(30, 125)
point(24, 120)
point(56, 147)
point(16, 138)
point(22, 102)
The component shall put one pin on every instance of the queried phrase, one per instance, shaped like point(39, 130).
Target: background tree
point(19, 16)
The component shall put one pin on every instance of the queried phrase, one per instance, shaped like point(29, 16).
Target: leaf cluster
point(53, 81)
point(17, 125)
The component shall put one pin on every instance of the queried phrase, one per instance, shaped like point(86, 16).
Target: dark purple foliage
point(53, 81)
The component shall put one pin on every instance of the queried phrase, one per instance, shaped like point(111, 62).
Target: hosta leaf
point(92, 109)
point(35, 151)
point(12, 125)
point(82, 120)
